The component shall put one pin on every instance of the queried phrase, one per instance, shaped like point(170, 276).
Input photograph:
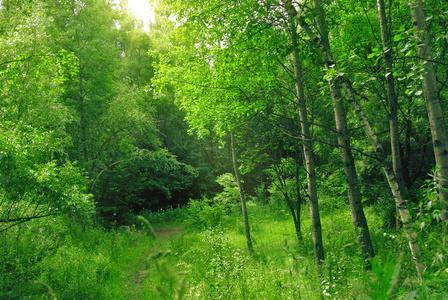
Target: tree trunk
point(358, 217)
point(396, 188)
point(242, 198)
point(323, 45)
point(407, 153)
point(433, 104)
point(392, 100)
point(83, 116)
point(299, 198)
point(295, 217)
point(307, 145)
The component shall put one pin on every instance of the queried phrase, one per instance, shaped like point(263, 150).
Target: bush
point(261, 195)
point(229, 198)
point(167, 215)
point(204, 213)
point(277, 200)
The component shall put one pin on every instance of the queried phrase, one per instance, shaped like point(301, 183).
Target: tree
point(37, 179)
point(146, 180)
point(396, 189)
point(433, 103)
point(242, 196)
point(307, 145)
point(391, 98)
point(335, 82)
point(33, 183)
point(86, 29)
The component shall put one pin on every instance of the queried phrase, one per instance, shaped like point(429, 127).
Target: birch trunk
point(354, 195)
point(392, 99)
point(323, 45)
point(242, 198)
point(396, 188)
point(307, 145)
point(433, 103)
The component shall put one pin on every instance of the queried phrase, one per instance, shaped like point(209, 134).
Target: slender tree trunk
point(358, 216)
point(295, 215)
point(323, 45)
point(433, 104)
point(407, 153)
point(307, 148)
point(392, 100)
point(299, 198)
point(242, 198)
point(396, 188)
point(83, 117)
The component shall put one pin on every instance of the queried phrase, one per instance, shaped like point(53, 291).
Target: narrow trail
point(165, 232)
point(162, 234)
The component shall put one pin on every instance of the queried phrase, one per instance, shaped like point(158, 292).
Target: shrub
point(165, 215)
point(261, 195)
point(229, 198)
point(204, 213)
point(277, 200)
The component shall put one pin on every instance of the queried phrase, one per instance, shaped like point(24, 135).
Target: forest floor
point(162, 234)
point(165, 232)
point(211, 261)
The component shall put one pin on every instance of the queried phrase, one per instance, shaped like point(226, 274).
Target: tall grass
point(220, 267)
point(208, 259)
point(58, 259)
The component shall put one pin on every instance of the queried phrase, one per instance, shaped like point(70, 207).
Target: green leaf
point(411, 295)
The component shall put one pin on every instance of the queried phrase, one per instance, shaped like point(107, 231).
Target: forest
point(233, 149)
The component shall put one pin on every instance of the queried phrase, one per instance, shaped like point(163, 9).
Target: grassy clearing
point(208, 259)
point(55, 258)
point(213, 263)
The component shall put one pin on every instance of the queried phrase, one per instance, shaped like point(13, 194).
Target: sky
point(142, 10)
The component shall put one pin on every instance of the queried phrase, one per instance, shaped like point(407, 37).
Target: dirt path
point(162, 233)
point(166, 232)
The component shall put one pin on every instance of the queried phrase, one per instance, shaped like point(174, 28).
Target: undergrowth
point(208, 259)
point(215, 263)
point(58, 259)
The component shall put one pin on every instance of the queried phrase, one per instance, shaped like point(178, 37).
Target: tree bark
point(307, 145)
point(83, 116)
point(354, 195)
point(433, 104)
point(242, 198)
point(323, 44)
point(295, 217)
point(396, 188)
point(392, 100)
point(299, 197)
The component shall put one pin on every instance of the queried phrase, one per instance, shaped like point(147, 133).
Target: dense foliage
point(222, 109)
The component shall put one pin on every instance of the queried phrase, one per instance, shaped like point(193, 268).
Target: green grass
point(56, 257)
point(48, 257)
point(220, 267)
